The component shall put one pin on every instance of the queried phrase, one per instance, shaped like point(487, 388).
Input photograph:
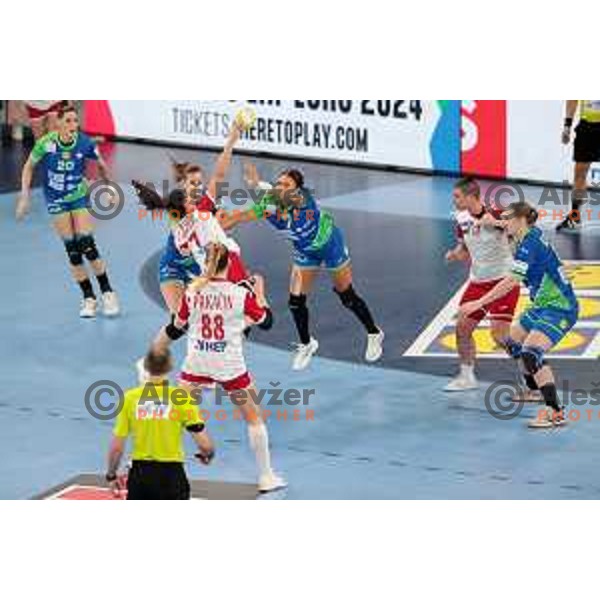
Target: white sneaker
point(142, 375)
point(375, 347)
point(271, 483)
point(304, 354)
point(110, 305)
point(89, 306)
point(462, 383)
point(547, 418)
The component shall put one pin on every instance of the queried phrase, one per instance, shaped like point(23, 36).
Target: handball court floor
point(384, 432)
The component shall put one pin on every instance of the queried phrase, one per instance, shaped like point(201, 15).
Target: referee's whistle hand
point(206, 448)
point(119, 486)
point(205, 458)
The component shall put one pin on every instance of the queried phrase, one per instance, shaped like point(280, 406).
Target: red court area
point(81, 492)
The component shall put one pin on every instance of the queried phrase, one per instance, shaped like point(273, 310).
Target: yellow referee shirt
point(590, 110)
point(156, 417)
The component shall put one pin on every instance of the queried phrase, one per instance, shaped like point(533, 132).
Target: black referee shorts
point(587, 142)
point(157, 481)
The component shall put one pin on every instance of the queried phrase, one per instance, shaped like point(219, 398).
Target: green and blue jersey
point(64, 165)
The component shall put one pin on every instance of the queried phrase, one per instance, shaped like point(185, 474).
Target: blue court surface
point(385, 432)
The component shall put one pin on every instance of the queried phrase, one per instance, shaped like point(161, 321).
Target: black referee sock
point(104, 283)
point(87, 289)
point(579, 200)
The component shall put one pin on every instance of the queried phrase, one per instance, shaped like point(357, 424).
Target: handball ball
point(245, 118)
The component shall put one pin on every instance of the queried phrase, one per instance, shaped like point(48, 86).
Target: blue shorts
point(554, 323)
point(333, 255)
point(174, 268)
point(58, 206)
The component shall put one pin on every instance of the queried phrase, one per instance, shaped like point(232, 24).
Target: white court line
point(579, 325)
point(56, 496)
point(503, 356)
point(593, 350)
point(436, 327)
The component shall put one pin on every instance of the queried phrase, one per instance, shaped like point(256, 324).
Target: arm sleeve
point(262, 206)
point(39, 150)
point(252, 310)
point(183, 314)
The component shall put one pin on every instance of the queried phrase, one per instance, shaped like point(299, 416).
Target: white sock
point(259, 442)
point(467, 371)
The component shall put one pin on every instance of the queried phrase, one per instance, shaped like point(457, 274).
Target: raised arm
point(224, 161)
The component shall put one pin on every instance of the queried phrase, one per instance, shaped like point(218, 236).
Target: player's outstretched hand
point(251, 176)
point(23, 207)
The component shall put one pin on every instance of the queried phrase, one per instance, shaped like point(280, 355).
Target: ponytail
point(152, 201)
point(217, 260)
point(149, 198)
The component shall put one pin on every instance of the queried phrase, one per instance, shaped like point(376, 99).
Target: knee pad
point(87, 247)
point(514, 349)
point(297, 302)
point(348, 297)
point(73, 252)
point(533, 360)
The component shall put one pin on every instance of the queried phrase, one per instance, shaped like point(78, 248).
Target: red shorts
point(36, 113)
point(502, 309)
point(243, 382)
point(237, 271)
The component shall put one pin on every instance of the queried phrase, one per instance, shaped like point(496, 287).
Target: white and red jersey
point(489, 247)
point(199, 229)
point(217, 316)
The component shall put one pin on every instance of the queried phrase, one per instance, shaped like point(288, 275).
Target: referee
point(587, 151)
point(156, 417)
